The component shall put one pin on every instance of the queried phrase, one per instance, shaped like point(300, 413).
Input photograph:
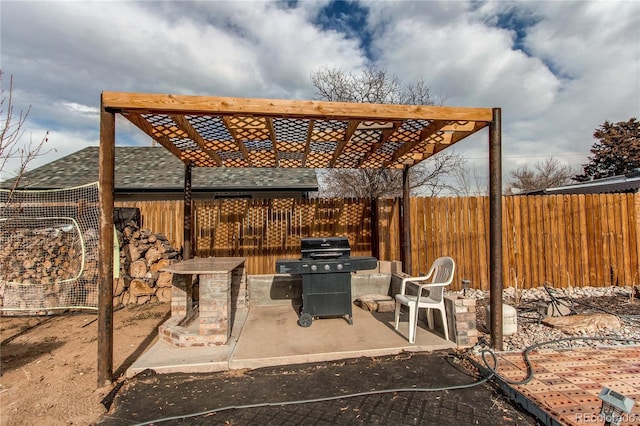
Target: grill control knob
point(314, 268)
point(327, 267)
point(339, 266)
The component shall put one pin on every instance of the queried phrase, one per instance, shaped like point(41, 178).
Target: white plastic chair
point(440, 276)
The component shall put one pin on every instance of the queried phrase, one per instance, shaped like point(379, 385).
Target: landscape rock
point(616, 301)
point(584, 323)
point(376, 303)
point(140, 288)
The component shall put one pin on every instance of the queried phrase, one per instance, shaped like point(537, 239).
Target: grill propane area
point(325, 266)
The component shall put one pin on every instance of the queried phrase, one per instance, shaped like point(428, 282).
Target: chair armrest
point(412, 281)
point(428, 286)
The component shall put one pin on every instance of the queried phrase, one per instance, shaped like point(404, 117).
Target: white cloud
point(58, 144)
point(574, 65)
point(90, 111)
point(579, 66)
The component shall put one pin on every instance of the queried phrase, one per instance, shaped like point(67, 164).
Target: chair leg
point(412, 323)
point(431, 324)
point(397, 318)
point(444, 324)
point(430, 318)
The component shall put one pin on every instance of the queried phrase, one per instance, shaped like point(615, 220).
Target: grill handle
point(330, 255)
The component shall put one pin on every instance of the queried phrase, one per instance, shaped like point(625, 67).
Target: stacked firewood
point(39, 256)
point(43, 266)
point(143, 255)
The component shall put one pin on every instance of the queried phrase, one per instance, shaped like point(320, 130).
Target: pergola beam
point(351, 129)
point(428, 132)
point(186, 127)
point(468, 131)
point(205, 105)
point(274, 140)
point(233, 131)
point(146, 127)
point(386, 133)
point(307, 144)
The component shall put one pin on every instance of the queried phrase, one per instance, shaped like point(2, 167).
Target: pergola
point(243, 132)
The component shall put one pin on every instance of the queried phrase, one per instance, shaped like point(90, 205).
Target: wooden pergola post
point(186, 251)
point(406, 222)
point(105, 257)
point(495, 229)
point(375, 232)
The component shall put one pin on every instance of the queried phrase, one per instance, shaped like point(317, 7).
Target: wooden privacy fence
point(579, 240)
point(561, 240)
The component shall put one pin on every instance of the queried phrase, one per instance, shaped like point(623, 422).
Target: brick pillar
point(215, 306)
point(461, 319)
point(239, 294)
point(181, 297)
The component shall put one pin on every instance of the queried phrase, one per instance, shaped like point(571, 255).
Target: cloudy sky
point(558, 69)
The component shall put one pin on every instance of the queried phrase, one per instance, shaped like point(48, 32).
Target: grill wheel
point(305, 320)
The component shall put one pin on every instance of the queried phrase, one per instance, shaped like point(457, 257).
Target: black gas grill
point(325, 266)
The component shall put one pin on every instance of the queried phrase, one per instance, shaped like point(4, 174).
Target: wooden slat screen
point(165, 217)
point(267, 230)
point(578, 240)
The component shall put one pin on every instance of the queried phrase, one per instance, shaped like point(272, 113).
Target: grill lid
point(325, 248)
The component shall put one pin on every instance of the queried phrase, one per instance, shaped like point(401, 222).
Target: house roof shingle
point(629, 182)
point(149, 169)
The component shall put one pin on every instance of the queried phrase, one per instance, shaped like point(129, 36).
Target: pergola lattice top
point(240, 132)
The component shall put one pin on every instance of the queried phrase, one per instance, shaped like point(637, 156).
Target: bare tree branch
point(431, 178)
point(419, 93)
point(374, 85)
point(361, 183)
point(11, 134)
point(12, 126)
point(437, 174)
point(469, 183)
point(546, 174)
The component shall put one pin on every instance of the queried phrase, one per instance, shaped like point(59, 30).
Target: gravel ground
point(613, 300)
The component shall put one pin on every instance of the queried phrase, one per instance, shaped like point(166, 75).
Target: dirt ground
point(48, 364)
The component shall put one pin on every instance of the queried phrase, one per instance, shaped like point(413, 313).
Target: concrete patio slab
point(165, 358)
point(269, 335)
